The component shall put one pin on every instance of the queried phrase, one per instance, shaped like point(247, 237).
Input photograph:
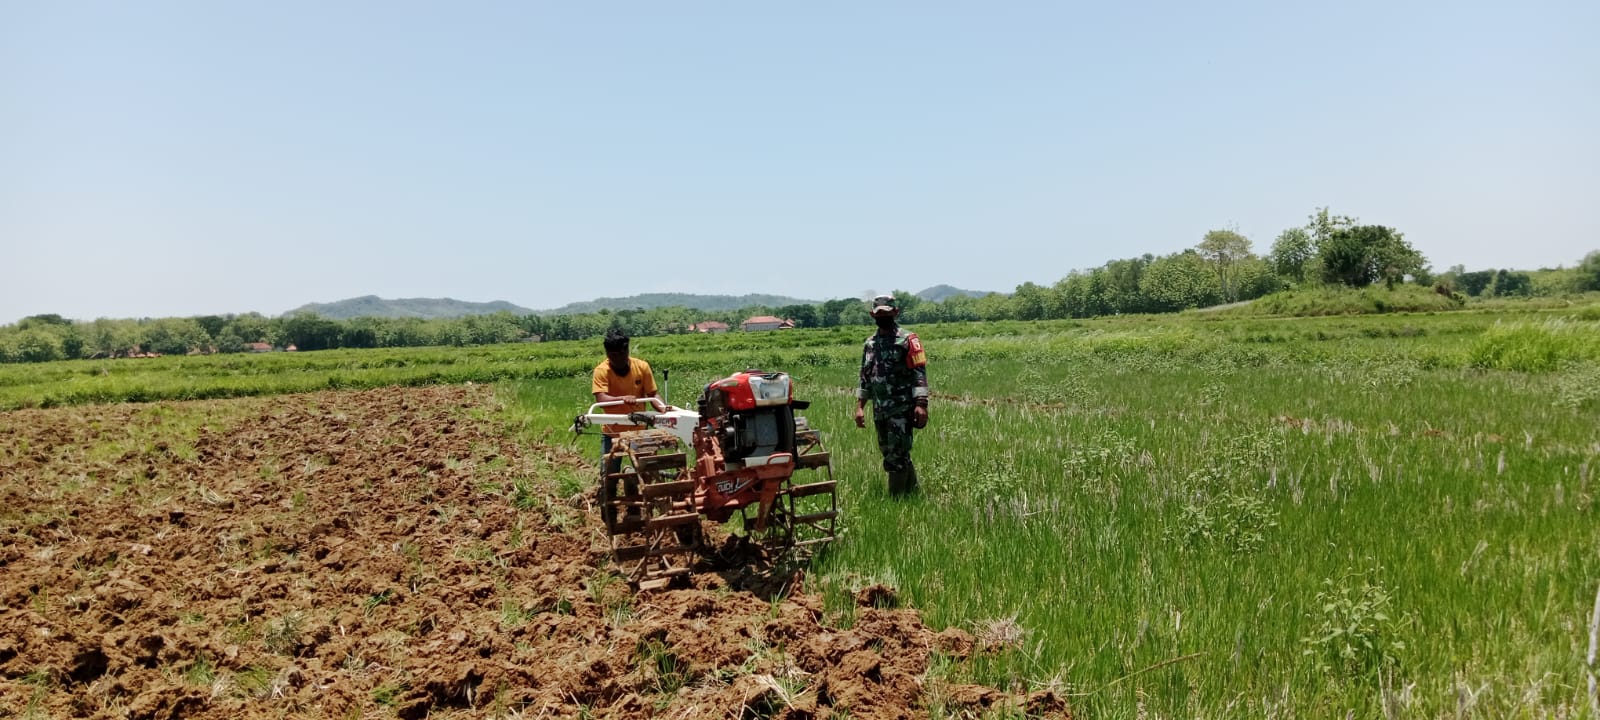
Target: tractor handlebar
point(660, 406)
point(636, 418)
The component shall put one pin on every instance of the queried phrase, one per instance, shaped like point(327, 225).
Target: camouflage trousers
point(894, 437)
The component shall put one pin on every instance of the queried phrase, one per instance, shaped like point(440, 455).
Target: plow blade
point(648, 511)
point(805, 508)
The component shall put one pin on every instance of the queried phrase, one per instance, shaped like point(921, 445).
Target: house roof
point(762, 319)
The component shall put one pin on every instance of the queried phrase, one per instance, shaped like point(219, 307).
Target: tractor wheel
point(648, 509)
point(804, 512)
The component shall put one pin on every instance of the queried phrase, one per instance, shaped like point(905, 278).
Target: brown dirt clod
point(353, 554)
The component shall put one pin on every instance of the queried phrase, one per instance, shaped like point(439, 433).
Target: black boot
point(898, 482)
point(911, 478)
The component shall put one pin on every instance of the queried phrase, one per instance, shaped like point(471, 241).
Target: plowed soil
point(388, 553)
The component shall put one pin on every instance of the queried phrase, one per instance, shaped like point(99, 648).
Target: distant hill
point(648, 301)
point(437, 308)
point(939, 293)
point(424, 308)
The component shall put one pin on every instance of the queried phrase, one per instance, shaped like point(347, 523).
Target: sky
point(185, 158)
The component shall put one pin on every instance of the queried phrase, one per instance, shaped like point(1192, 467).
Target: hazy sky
point(162, 159)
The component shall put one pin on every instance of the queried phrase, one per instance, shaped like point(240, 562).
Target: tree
point(175, 336)
point(830, 312)
point(1028, 302)
point(228, 342)
point(212, 324)
point(111, 338)
point(33, 321)
point(956, 308)
point(254, 327)
point(1291, 252)
point(804, 316)
point(32, 344)
point(1178, 282)
point(308, 331)
point(993, 307)
point(854, 313)
point(1069, 292)
point(1394, 258)
point(1253, 278)
point(1474, 283)
point(1322, 225)
point(361, 332)
point(1223, 249)
point(1589, 272)
point(1120, 285)
point(1511, 284)
point(1361, 255)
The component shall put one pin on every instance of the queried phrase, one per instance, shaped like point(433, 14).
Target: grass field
point(1177, 516)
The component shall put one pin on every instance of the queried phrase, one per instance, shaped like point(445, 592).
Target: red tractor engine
point(748, 447)
point(745, 437)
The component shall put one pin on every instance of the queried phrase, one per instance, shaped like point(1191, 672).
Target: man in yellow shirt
point(621, 377)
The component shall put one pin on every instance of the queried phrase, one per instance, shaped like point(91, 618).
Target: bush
point(1534, 347)
point(1356, 635)
point(1238, 522)
point(1346, 301)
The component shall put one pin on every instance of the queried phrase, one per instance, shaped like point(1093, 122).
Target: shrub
point(1356, 635)
point(1238, 522)
point(1534, 347)
point(1348, 301)
point(1578, 388)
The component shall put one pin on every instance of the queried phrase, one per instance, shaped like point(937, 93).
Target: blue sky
point(161, 158)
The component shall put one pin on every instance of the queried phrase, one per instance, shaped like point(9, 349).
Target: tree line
point(1222, 268)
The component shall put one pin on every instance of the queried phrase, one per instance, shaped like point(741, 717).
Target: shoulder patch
point(916, 357)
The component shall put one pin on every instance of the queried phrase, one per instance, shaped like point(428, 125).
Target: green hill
point(424, 308)
point(940, 293)
point(647, 301)
point(1321, 301)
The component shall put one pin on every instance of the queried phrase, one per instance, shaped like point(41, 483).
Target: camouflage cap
point(885, 302)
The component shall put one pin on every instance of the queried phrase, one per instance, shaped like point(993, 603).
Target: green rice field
point(1180, 516)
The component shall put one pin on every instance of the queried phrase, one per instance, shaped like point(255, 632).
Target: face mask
point(885, 322)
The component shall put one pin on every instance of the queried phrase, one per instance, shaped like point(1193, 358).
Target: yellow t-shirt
point(639, 382)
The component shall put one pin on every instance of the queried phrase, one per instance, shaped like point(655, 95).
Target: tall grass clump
point(1536, 346)
point(1339, 300)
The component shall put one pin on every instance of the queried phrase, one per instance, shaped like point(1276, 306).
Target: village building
point(709, 326)
point(762, 322)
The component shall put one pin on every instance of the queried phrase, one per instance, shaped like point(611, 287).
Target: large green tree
point(1322, 225)
point(1291, 253)
point(1360, 255)
point(47, 319)
point(1180, 281)
point(1511, 284)
point(308, 331)
point(109, 338)
point(1224, 249)
point(31, 344)
point(1589, 272)
point(830, 313)
point(1029, 302)
point(254, 327)
point(804, 316)
point(175, 336)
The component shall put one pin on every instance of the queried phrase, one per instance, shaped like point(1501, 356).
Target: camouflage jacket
point(894, 371)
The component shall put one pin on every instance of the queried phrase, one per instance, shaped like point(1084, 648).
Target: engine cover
point(750, 413)
point(752, 389)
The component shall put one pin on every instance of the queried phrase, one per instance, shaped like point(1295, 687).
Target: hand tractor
point(748, 448)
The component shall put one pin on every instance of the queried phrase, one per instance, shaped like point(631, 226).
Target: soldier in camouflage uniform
point(894, 376)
